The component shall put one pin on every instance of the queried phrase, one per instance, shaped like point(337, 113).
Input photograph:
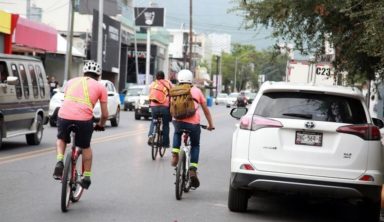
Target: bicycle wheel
point(155, 143)
point(161, 147)
point(180, 176)
point(66, 184)
point(77, 190)
point(155, 147)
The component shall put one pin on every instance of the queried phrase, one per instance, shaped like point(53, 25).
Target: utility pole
point(190, 37)
point(28, 9)
point(100, 35)
point(68, 57)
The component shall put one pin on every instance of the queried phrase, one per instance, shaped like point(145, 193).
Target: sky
point(211, 16)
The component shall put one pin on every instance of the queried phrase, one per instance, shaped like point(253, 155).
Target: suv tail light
point(366, 131)
point(254, 123)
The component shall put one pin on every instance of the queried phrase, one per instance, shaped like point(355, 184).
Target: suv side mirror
point(12, 80)
point(238, 112)
point(378, 122)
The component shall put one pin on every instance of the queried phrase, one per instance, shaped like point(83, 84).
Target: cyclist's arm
point(104, 113)
point(208, 116)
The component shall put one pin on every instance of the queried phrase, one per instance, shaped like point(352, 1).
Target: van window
point(40, 81)
point(15, 73)
point(3, 72)
point(34, 81)
point(24, 81)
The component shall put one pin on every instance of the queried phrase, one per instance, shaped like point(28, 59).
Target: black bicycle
point(157, 144)
point(183, 181)
point(71, 190)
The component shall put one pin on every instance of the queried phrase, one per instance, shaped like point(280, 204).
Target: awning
point(34, 35)
point(5, 22)
point(62, 47)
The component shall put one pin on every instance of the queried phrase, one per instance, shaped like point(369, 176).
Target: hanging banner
point(149, 17)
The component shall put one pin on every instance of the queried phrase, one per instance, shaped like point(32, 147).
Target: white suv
point(113, 105)
point(307, 139)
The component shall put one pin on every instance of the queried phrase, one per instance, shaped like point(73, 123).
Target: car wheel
point(370, 210)
point(116, 119)
point(53, 118)
point(35, 138)
point(237, 199)
point(125, 108)
point(137, 116)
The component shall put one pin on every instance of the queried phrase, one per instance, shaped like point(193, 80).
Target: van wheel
point(137, 116)
point(116, 119)
point(35, 138)
point(237, 199)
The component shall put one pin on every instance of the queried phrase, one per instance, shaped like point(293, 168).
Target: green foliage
point(248, 64)
point(354, 27)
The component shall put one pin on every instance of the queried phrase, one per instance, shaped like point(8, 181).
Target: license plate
point(309, 138)
point(149, 109)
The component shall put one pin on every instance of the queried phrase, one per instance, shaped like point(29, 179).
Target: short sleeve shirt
point(200, 98)
point(167, 84)
point(73, 110)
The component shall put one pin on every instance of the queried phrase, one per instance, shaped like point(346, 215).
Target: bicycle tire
point(180, 178)
point(161, 147)
point(66, 184)
point(77, 190)
point(155, 148)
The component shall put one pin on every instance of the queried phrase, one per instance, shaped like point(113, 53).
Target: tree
point(354, 27)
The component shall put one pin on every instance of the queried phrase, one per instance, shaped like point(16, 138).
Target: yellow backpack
point(181, 101)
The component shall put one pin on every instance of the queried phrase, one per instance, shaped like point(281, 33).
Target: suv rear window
point(319, 107)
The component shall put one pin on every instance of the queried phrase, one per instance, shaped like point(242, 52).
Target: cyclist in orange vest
point(159, 103)
point(81, 95)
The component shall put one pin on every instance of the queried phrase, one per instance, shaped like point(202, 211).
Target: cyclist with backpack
point(185, 102)
point(159, 103)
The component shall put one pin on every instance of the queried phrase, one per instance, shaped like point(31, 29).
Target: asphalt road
point(127, 185)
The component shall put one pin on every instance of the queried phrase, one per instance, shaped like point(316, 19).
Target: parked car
point(221, 98)
point(24, 98)
point(231, 101)
point(142, 108)
point(318, 141)
point(131, 96)
point(113, 105)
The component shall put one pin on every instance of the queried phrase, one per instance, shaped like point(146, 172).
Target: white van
point(24, 98)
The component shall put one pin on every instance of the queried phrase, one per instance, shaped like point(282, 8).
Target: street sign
point(149, 17)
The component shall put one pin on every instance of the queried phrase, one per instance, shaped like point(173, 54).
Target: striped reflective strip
point(176, 150)
point(87, 173)
point(194, 165)
point(59, 157)
point(85, 100)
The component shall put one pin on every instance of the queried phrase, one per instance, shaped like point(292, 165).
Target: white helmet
point(185, 76)
point(92, 66)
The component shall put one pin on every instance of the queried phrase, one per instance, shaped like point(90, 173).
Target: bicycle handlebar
point(205, 127)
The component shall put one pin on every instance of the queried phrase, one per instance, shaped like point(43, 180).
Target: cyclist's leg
point(195, 151)
point(62, 139)
point(176, 143)
point(166, 119)
point(152, 125)
point(83, 140)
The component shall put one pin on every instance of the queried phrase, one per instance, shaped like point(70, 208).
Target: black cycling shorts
point(83, 134)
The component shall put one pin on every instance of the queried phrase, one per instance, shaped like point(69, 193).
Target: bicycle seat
point(73, 128)
point(185, 131)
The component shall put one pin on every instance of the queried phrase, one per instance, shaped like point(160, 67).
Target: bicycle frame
point(71, 189)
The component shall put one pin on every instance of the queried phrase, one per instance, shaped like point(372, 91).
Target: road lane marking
point(40, 152)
